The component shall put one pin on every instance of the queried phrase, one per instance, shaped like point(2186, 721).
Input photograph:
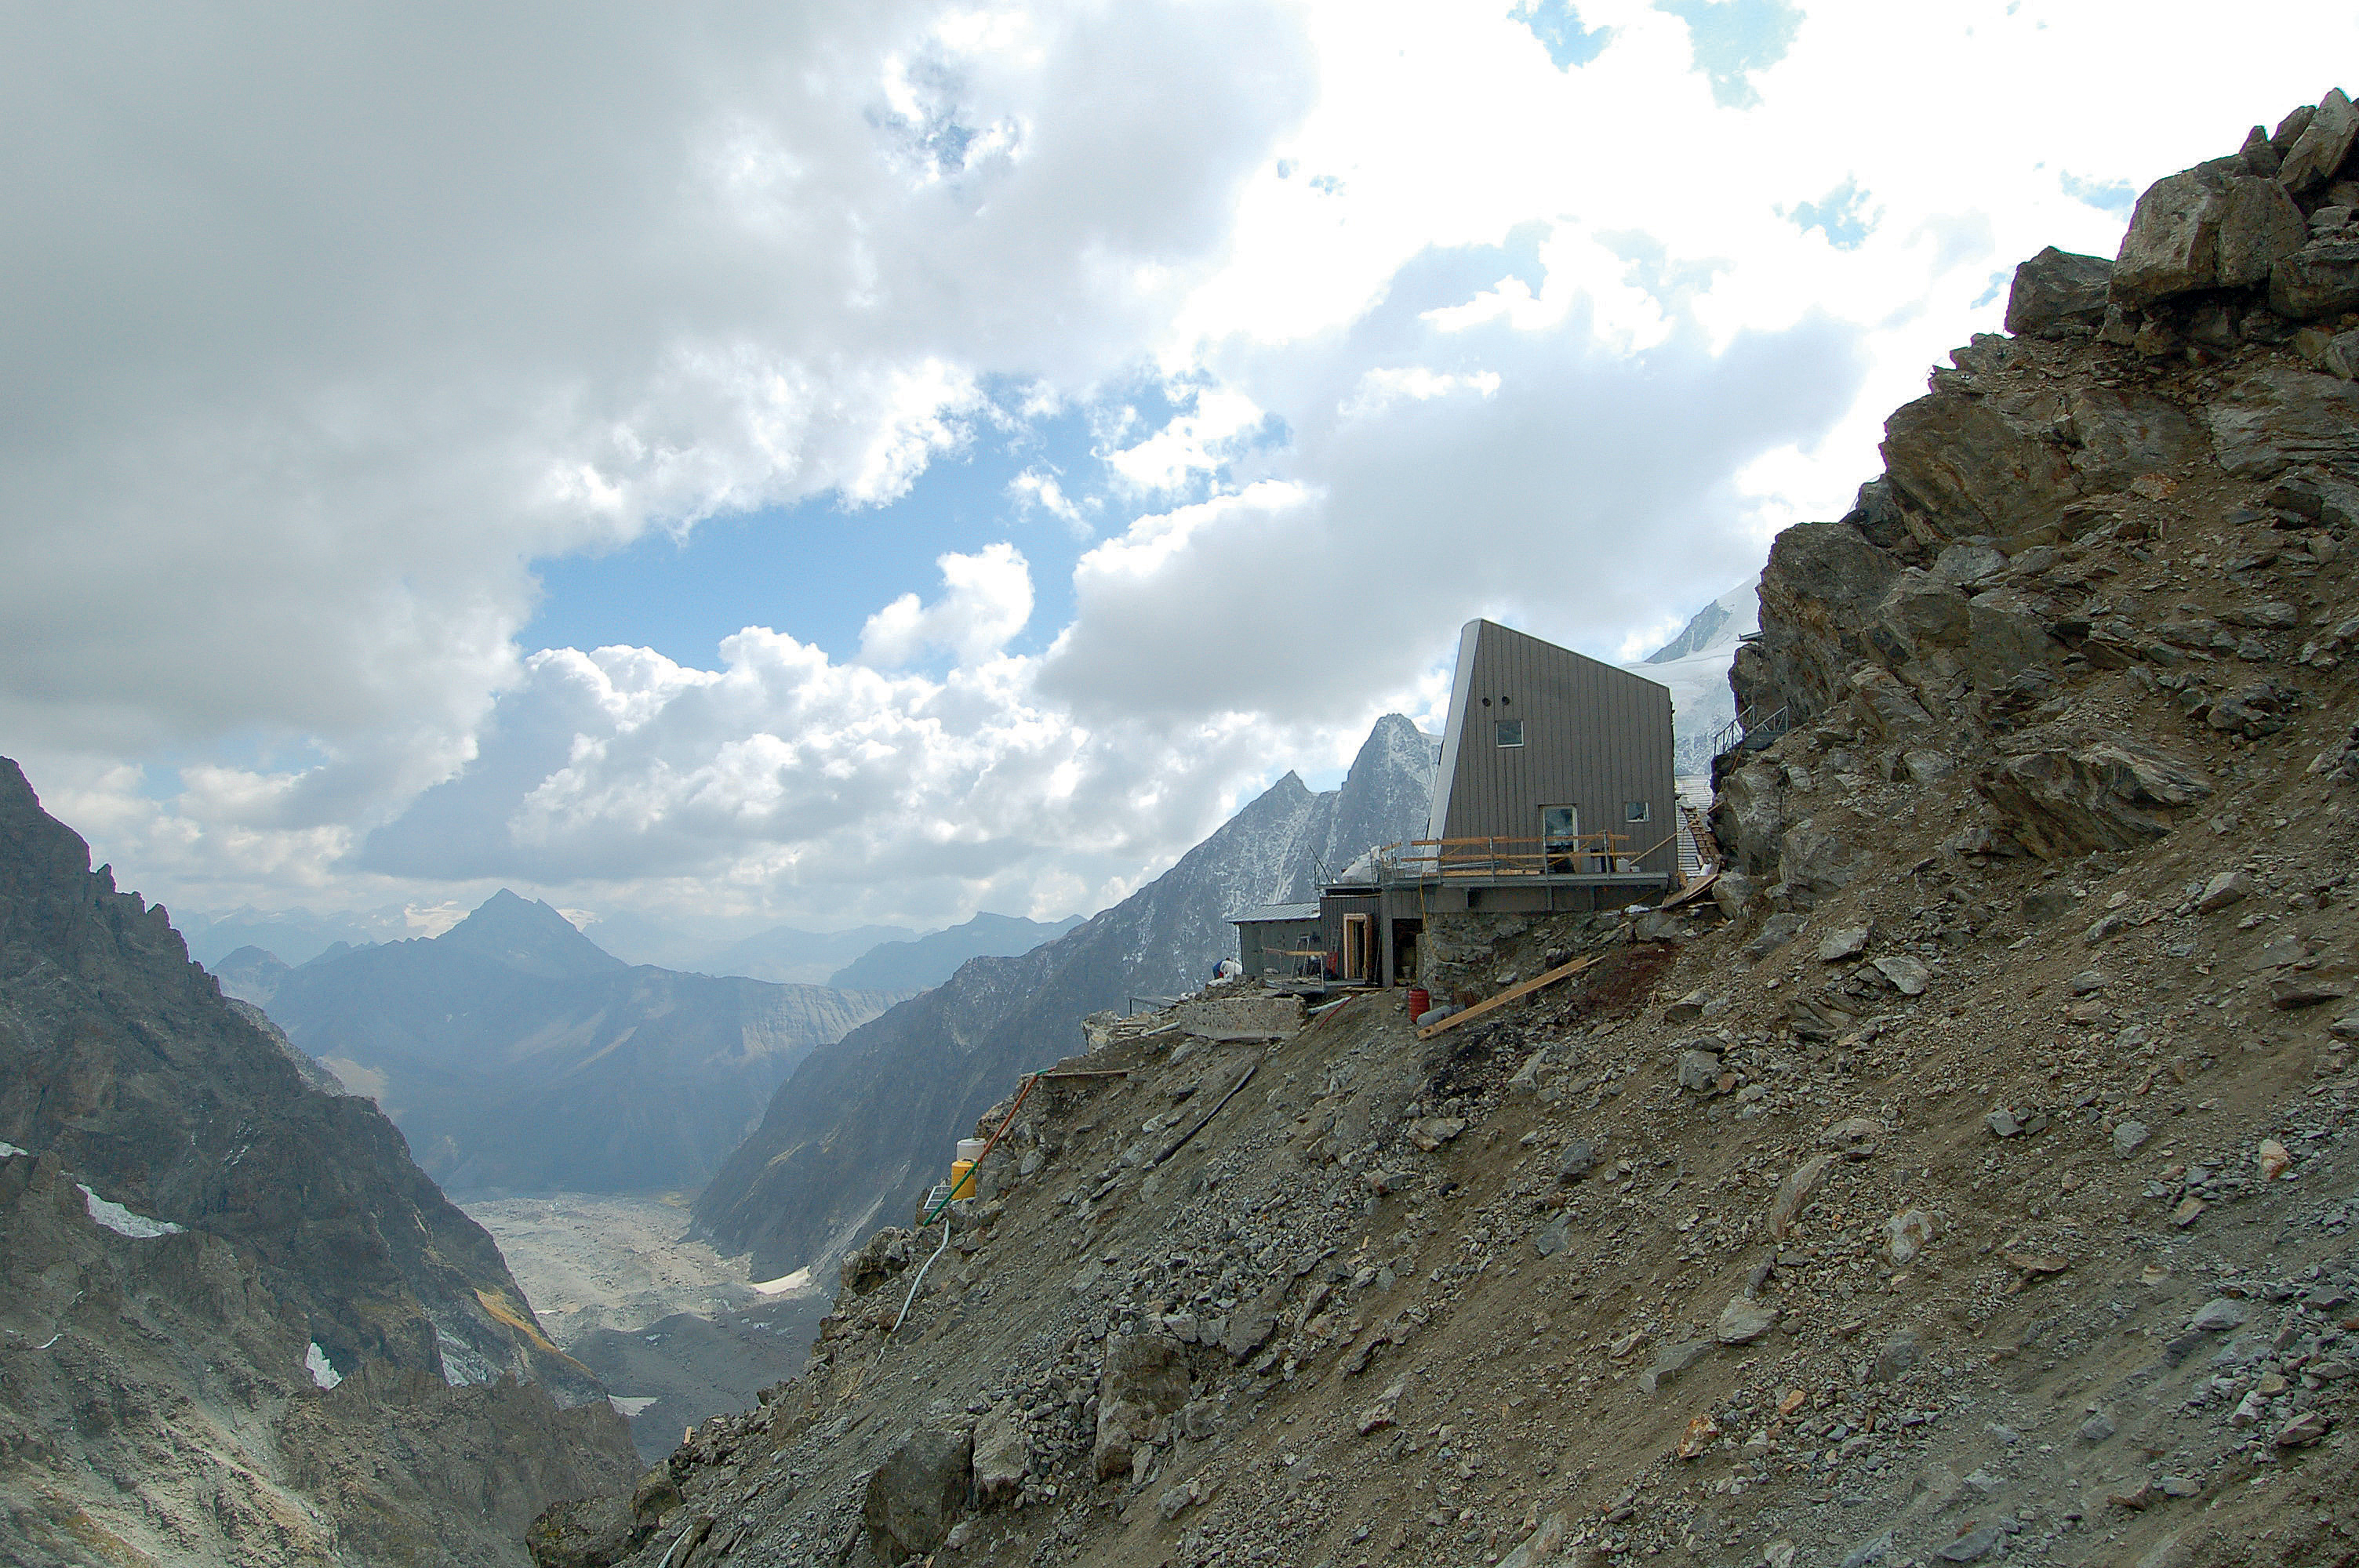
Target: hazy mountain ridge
point(519, 1057)
point(930, 959)
point(865, 1124)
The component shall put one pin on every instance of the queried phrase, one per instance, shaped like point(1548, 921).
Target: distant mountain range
point(788, 954)
point(914, 965)
point(518, 1055)
point(865, 1124)
point(885, 957)
point(294, 935)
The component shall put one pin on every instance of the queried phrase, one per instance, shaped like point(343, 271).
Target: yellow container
point(962, 1179)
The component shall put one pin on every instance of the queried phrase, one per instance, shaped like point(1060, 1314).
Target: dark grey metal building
point(1567, 758)
point(1556, 792)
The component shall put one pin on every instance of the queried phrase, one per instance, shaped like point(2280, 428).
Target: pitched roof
point(1272, 914)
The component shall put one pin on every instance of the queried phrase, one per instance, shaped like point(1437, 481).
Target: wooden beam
point(1512, 993)
point(1690, 891)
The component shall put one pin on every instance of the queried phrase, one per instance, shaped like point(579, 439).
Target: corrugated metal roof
point(1275, 912)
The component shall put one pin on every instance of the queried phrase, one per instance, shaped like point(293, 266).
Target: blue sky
point(821, 567)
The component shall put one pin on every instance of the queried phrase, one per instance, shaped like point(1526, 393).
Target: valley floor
point(671, 1326)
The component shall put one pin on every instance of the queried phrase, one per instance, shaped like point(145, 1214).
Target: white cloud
point(988, 602)
point(323, 339)
point(327, 333)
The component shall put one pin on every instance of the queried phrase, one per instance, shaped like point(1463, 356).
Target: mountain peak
point(531, 936)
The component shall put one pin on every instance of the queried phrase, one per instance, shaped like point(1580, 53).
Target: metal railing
point(1751, 728)
point(1587, 854)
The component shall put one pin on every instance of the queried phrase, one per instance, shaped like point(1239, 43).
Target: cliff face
point(517, 1055)
point(185, 1226)
point(862, 1127)
point(1968, 1180)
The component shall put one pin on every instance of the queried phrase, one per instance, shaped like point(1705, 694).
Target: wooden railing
point(1590, 854)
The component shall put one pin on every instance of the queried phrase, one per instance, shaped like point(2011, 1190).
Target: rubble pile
point(1969, 1180)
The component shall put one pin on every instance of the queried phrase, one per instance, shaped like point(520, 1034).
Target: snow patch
point(785, 1285)
point(628, 1407)
point(9, 1150)
point(323, 1371)
point(122, 1222)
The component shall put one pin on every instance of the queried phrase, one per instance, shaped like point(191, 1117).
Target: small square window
point(1636, 811)
point(1509, 732)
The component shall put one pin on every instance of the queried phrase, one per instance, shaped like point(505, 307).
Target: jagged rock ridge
point(863, 1125)
point(193, 1242)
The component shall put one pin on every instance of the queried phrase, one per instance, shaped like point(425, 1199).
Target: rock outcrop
point(237, 1324)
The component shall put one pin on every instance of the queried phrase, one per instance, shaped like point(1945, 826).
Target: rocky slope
point(863, 1125)
point(237, 1324)
point(924, 961)
point(1968, 1180)
point(517, 1055)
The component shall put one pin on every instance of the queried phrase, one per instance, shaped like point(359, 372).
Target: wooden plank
point(1690, 891)
point(1512, 993)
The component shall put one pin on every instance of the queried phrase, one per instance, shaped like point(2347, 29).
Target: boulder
point(1672, 1360)
point(1145, 1378)
point(1819, 594)
point(2116, 794)
point(2318, 151)
point(2057, 292)
point(1906, 1235)
point(587, 1532)
point(1732, 893)
point(2320, 279)
point(2336, 353)
point(1744, 1320)
point(1542, 1546)
point(2329, 500)
point(1974, 468)
point(1900, 1355)
point(1248, 1331)
point(2124, 434)
point(1699, 1070)
point(1795, 1192)
point(918, 1493)
point(1816, 858)
point(1886, 703)
point(1577, 1160)
point(1748, 815)
point(2259, 225)
point(2172, 244)
point(1845, 942)
point(1908, 976)
point(2224, 888)
point(1003, 1453)
point(1966, 564)
point(2006, 633)
point(2281, 417)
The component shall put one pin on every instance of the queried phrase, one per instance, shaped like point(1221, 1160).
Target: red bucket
point(1420, 1000)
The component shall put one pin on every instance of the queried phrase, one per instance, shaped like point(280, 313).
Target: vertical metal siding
point(1594, 737)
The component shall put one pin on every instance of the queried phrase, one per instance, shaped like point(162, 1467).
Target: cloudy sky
point(835, 463)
